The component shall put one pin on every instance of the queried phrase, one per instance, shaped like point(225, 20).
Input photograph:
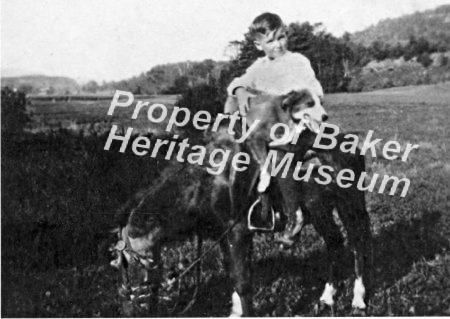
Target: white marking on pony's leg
point(359, 292)
point(264, 181)
point(299, 222)
point(328, 294)
point(236, 308)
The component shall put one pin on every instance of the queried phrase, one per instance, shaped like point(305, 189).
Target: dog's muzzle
point(303, 120)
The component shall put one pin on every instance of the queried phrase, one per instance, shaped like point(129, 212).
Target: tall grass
point(60, 192)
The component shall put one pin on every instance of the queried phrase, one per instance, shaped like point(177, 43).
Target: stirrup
point(249, 219)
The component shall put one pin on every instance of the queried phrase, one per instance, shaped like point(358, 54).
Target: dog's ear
point(287, 100)
point(292, 98)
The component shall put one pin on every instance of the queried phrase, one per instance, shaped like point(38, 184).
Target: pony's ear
point(292, 98)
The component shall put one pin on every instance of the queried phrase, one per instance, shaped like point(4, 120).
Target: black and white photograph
point(253, 158)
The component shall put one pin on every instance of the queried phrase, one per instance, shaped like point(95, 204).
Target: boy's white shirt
point(292, 71)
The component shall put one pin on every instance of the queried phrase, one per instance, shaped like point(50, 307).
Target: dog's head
point(305, 107)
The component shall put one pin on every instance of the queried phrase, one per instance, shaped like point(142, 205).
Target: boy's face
point(274, 43)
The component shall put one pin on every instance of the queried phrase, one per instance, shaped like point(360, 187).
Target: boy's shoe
point(288, 238)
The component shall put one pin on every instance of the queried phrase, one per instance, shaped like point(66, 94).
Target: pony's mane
point(124, 212)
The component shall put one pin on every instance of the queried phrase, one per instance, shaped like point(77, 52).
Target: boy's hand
point(243, 98)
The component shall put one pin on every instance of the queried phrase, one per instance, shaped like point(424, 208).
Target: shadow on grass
point(289, 285)
point(213, 298)
point(396, 249)
point(281, 280)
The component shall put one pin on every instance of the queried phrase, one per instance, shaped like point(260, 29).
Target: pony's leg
point(290, 191)
point(151, 284)
point(226, 254)
point(356, 221)
point(258, 149)
point(322, 220)
point(240, 243)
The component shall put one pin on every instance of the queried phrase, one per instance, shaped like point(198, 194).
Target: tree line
point(334, 59)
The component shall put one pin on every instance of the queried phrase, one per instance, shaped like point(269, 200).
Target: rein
point(198, 259)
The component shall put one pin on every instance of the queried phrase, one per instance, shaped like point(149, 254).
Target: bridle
point(123, 255)
point(123, 252)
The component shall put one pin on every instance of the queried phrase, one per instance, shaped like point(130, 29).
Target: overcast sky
point(113, 40)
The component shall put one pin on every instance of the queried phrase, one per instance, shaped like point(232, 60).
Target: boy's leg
point(230, 107)
point(299, 219)
point(259, 153)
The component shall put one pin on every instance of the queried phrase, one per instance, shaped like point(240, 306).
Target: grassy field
point(91, 116)
point(412, 234)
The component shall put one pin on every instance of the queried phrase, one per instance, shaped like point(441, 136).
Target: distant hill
point(433, 25)
point(42, 84)
point(169, 78)
point(14, 72)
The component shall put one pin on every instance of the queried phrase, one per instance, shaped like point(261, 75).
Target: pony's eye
point(311, 104)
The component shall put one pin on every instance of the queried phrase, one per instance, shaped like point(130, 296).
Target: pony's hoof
point(317, 309)
point(358, 312)
point(322, 309)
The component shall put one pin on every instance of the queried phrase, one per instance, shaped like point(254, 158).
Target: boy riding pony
point(277, 73)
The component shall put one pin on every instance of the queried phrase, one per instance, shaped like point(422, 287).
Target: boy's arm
point(239, 102)
point(245, 81)
point(236, 84)
point(238, 88)
point(311, 78)
point(243, 99)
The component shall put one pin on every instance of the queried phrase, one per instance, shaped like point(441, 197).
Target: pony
point(186, 200)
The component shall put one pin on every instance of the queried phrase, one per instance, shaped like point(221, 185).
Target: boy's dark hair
point(265, 23)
